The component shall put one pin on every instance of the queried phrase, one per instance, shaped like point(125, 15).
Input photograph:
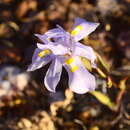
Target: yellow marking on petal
point(43, 53)
point(76, 30)
point(71, 63)
point(73, 68)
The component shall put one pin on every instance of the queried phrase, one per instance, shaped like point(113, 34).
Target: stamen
point(43, 53)
point(76, 30)
point(71, 63)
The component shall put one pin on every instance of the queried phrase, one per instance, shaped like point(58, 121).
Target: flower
point(64, 49)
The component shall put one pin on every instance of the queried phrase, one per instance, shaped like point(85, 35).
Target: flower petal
point(82, 28)
point(43, 38)
point(56, 49)
point(80, 80)
point(52, 33)
point(61, 29)
point(37, 61)
point(56, 32)
point(85, 51)
point(42, 46)
point(53, 75)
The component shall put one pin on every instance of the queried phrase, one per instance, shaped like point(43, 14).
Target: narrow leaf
point(104, 99)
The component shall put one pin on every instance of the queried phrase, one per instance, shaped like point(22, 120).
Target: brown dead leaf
point(84, 116)
point(11, 54)
point(25, 123)
point(24, 6)
point(62, 104)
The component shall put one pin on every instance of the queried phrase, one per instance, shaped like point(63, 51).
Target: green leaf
point(102, 63)
point(101, 73)
point(104, 99)
point(86, 63)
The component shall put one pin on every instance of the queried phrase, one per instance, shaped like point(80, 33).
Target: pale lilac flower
point(63, 49)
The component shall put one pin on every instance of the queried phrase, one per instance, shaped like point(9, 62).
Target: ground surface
point(25, 104)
